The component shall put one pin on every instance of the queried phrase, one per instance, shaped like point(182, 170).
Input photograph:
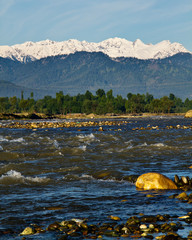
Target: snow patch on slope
point(113, 47)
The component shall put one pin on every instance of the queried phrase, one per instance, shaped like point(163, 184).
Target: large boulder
point(153, 180)
point(188, 114)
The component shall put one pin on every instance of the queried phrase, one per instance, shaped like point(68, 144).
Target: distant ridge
point(81, 71)
point(113, 47)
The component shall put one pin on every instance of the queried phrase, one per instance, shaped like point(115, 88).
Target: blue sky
point(96, 20)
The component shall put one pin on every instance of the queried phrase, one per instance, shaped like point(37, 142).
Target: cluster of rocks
point(167, 127)
point(183, 182)
point(62, 124)
point(183, 197)
point(66, 124)
point(162, 227)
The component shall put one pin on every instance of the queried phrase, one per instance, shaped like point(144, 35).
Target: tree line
point(100, 103)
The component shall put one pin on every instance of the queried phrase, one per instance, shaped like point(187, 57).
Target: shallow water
point(52, 175)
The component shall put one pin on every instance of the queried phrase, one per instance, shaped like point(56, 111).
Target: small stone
point(63, 223)
point(184, 180)
point(125, 230)
point(156, 127)
point(115, 218)
point(184, 217)
point(176, 179)
point(182, 195)
point(77, 221)
point(125, 235)
point(141, 214)
point(150, 196)
point(53, 226)
point(151, 226)
point(144, 234)
point(84, 226)
point(143, 226)
point(160, 237)
point(136, 236)
point(27, 231)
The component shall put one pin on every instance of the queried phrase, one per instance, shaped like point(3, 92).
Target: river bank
point(17, 116)
point(79, 122)
point(36, 121)
point(160, 227)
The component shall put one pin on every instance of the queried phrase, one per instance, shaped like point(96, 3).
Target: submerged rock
point(53, 226)
point(100, 129)
point(116, 218)
point(182, 195)
point(153, 180)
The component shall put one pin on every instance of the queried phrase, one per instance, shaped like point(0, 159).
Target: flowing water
point(51, 175)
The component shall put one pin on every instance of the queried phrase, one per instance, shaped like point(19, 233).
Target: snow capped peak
point(165, 42)
point(116, 42)
point(46, 42)
point(27, 44)
point(113, 47)
point(138, 42)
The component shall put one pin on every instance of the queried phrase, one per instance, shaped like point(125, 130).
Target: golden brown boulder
point(188, 114)
point(152, 180)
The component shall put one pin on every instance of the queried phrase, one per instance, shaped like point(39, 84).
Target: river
point(54, 174)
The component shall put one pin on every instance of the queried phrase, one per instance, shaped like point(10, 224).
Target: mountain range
point(113, 47)
point(73, 67)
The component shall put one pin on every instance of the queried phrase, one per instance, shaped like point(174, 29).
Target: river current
point(54, 174)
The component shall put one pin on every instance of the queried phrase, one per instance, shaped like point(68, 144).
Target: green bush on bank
point(100, 103)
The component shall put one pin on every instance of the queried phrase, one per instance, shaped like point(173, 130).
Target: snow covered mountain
point(113, 47)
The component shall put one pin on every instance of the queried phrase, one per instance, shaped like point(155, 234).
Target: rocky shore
point(140, 226)
point(161, 227)
point(28, 124)
point(57, 124)
point(71, 120)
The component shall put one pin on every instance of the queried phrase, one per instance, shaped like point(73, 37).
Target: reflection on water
point(55, 174)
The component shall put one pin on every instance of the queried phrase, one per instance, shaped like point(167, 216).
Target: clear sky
point(96, 20)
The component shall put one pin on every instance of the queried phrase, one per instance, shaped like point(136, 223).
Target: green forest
point(100, 103)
